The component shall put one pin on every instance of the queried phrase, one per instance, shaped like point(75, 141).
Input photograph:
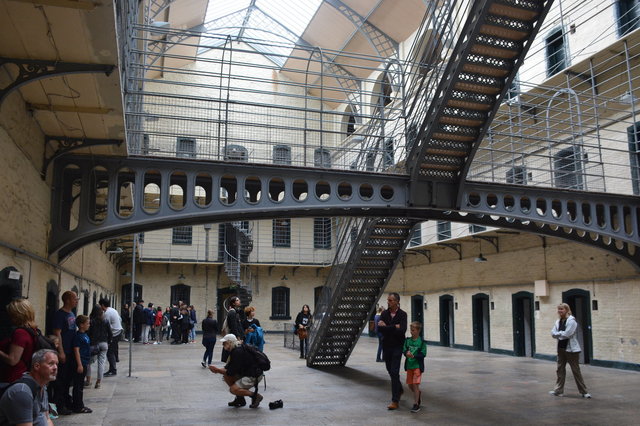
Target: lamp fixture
point(284, 277)
point(126, 274)
point(114, 249)
point(480, 258)
point(181, 276)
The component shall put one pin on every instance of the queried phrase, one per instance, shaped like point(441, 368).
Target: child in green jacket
point(415, 349)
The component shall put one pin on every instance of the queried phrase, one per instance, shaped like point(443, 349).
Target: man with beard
point(25, 400)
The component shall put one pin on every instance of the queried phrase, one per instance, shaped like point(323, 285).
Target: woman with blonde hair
point(16, 357)
point(565, 331)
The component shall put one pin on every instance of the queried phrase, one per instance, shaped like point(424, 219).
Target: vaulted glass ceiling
point(269, 26)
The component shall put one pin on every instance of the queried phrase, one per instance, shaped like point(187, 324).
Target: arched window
point(349, 120)
point(10, 287)
point(382, 94)
point(181, 292)
point(75, 290)
point(236, 153)
point(52, 305)
point(282, 154)
point(126, 293)
point(280, 303)
point(85, 302)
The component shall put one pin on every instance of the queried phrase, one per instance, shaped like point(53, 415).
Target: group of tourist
point(153, 325)
point(76, 343)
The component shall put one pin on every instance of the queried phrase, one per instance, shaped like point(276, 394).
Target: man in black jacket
point(393, 326)
point(234, 323)
point(138, 320)
point(241, 372)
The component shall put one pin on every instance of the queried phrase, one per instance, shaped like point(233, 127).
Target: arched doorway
point(10, 288)
point(480, 314)
point(523, 325)
point(75, 290)
point(52, 305)
point(85, 302)
point(417, 311)
point(126, 294)
point(446, 320)
point(579, 301)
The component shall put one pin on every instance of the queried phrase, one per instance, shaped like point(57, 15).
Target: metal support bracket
point(426, 253)
point(293, 271)
point(30, 70)
point(66, 145)
point(587, 78)
point(455, 247)
point(493, 240)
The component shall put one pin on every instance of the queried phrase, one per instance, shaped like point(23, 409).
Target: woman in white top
point(565, 331)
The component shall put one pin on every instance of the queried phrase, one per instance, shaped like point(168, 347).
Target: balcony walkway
point(461, 387)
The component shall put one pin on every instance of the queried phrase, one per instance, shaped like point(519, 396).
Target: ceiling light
point(114, 249)
point(480, 258)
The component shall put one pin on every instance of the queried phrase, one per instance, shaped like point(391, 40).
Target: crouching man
point(25, 401)
point(241, 372)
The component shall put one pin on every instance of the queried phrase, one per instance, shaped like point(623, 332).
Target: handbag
point(302, 333)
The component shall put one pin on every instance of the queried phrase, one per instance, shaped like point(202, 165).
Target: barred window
point(236, 153)
point(444, 230)
point(281, 232)
point(416, 236)
point(476, 228)
point(186, 148)
point(628, 15)
point(517, 175)
point(281, 154)
point(556, 53)
point(322, 158)
point(182, 235)
point(181, 292)
point(322, 233)
point(280, 303)
point(568, 168)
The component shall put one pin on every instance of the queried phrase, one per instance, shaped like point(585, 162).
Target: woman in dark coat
point(303, 323)
point(209, 331)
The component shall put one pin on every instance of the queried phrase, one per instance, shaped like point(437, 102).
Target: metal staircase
point(493, 43)
point(369, 252)
point(238, 244)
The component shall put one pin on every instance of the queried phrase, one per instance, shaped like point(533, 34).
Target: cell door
point(417, 311)
point(579, 301)
point(523, 325)
point(446, 320)
point(480, 313)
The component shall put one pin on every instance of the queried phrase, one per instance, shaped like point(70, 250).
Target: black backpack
point(39, 341)
point(262, 361)
point(30, 383)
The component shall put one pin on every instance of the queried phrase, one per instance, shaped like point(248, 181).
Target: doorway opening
point(523, 325)
point(480, 313)
point(52, 305)
point(580, 303)
point(446, 320)
point(10, 288)
point(417, 311)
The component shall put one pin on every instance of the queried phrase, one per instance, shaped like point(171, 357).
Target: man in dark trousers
point(64, 327)
point(393, 326)
point(174, 315)
point(234, 323)
point(138, 320)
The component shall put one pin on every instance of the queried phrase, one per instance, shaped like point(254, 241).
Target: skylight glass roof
point(269, 26)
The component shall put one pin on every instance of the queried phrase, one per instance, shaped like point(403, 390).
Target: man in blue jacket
point(393, 326)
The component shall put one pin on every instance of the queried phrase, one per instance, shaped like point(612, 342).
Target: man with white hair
point(25, 401)
point(241, 372)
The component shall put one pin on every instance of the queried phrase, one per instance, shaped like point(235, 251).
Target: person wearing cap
point(241, 373)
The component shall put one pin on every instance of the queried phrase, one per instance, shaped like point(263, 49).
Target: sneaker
point(554, 393)
point(155, 343)
point(586, 395)
point(256, 401)
point(393, 406)
point(110, 373)
point(238, 402)
point(415, 408)
point(64, 411)
point(203, 364)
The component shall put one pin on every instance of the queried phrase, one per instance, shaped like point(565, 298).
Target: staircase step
point(487, 65)
point(470, 100)
point(462, 117)
point(442, 162)
point(496, 46)
point(443, 147)
point(516, 9)
point(445, 175)
point(479, 83)
point(455, 133)
point(503, 27)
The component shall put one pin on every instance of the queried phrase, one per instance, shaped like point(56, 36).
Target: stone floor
point(168, 386)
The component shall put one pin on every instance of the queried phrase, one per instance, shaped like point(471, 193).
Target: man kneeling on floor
point(241, 372)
